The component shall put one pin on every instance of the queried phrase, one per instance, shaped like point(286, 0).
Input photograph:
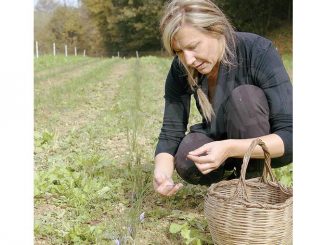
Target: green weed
point(192, 229)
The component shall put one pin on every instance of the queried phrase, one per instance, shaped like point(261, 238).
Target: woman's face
point(196, 49)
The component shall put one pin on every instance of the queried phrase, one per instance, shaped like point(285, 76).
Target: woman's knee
point(186, 168)
point(247, 113)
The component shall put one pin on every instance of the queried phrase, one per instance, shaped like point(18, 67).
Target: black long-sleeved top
point(257, 63)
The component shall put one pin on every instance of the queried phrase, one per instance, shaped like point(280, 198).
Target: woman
point(242, 91)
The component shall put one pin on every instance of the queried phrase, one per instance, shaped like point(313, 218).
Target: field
point(96, 127)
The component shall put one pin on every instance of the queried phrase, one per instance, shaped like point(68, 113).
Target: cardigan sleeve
point(176, 111)
point(270, 75)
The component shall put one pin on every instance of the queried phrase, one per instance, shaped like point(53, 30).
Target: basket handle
point(266, 171)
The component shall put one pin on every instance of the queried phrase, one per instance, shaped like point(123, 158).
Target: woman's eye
point(193, 47)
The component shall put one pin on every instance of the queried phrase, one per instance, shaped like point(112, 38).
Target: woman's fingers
point(204, 168)
point(201, 159)
point(201, 150)
point(165, 186)
point(208, 170)
point(176, 188)
point(164, 189)
point(169, 190)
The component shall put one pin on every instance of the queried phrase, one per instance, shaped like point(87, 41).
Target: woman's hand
point(210, 156)
point(164, 184)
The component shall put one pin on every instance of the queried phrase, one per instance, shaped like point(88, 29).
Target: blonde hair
point(207, 17)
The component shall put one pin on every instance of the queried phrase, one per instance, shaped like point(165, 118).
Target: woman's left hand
point(210, 156)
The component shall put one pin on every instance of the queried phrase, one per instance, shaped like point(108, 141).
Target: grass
point(48, 62)
point(96, 128)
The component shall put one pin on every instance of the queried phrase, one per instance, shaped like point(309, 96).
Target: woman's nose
point(189, 57)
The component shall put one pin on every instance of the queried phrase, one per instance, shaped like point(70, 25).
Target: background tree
point(258, 16)
point(66, 25)
point(91, 38)
point(43, 12)
point(103, 27)
point(127, 25)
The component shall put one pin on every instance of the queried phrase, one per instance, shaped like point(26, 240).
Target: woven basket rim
point(251, 183)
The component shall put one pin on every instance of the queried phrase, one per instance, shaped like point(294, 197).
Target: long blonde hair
point(207, 17)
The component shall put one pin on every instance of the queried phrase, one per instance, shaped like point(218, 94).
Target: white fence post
point(66, 51)
point(84, 52)
point(137, 54)
point(118, 54)
point(75, 51)
point(53, 49)
point(36, 49)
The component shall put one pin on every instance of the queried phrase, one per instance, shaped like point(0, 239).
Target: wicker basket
point(255, 211)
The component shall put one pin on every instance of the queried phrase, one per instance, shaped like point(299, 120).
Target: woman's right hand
point(164, 184)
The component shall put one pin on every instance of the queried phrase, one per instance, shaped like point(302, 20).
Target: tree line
point(103, 27)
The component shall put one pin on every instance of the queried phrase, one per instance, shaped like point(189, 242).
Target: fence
point(55, 50)
point(74, 51)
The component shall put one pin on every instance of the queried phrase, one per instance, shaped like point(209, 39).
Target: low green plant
point(42, 139)
point(284, 175)
point(193, 231)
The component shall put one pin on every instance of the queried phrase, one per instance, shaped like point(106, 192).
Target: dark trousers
point(246, 116)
